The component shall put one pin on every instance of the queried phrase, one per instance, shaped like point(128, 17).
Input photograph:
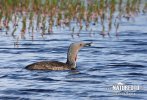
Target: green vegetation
point(43, 15)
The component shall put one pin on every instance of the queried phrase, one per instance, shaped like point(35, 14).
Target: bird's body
point(55, 65)
point(48, 65)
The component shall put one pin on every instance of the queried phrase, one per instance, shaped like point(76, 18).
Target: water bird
point(55, 65)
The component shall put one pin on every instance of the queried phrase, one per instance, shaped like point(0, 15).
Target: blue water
point(107, 62)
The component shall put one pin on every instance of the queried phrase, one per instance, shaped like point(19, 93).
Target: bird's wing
point(48, 65)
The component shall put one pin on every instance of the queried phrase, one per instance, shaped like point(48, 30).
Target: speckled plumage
point(48, 65)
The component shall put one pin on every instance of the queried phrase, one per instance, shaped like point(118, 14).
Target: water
point(107, 62)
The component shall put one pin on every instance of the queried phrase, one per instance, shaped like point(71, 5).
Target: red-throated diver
point(55, 65)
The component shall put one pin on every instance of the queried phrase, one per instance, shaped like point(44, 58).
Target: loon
point(55, 65)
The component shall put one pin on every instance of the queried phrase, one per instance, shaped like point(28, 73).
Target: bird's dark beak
point(88, 44)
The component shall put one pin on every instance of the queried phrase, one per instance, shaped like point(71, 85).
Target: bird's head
point(79, 45)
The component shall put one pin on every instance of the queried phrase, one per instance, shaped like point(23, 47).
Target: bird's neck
point(72, 57)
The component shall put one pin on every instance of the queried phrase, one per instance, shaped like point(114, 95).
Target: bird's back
point(48, 65)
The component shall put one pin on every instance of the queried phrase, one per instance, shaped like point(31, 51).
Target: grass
point(43, 15)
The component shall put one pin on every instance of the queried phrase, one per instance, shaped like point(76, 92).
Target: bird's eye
point(80, 44)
